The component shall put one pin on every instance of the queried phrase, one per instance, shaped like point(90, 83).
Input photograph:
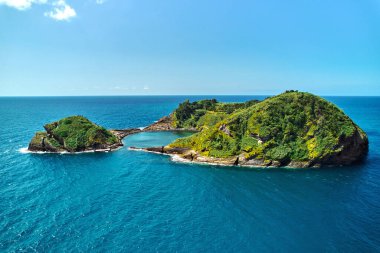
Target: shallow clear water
point(143, 202)
point(153, 139)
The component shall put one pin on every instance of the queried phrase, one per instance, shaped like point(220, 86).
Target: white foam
point(24, 150)
point(177, 158)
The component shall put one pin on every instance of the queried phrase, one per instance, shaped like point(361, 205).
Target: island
point(294, 129)
point(74, 134)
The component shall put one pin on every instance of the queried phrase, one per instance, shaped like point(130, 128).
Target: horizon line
point(169, 95)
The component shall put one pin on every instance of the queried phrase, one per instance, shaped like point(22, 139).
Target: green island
point(293, 129)
point(74, 134)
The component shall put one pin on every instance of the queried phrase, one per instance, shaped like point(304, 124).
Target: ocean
point(129, 201)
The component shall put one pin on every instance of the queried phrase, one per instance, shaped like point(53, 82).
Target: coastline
point(178, 159)
point(25, 150)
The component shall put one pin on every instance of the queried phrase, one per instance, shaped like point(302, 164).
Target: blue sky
point(130, 47)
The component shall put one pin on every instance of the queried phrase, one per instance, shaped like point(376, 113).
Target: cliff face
point(294, 129)
point(74, 134)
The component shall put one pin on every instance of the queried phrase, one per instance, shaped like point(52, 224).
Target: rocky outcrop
point(121, 133)
point(165, 124)
point(42, 143)
point(225, 130)
point(352, 149)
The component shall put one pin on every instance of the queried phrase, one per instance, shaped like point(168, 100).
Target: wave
point(26, 151)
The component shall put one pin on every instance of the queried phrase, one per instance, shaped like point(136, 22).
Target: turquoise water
point(142, 202)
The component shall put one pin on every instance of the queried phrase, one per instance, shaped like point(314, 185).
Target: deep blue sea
point(129, 201)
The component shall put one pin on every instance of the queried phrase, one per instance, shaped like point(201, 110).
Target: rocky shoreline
point(188, 155)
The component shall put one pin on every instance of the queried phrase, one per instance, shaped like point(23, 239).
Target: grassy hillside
point(294, 126)
point(205, 113)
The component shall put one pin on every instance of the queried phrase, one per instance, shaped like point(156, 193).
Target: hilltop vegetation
point(205, 113)
point(293, 126)
point(73, 134)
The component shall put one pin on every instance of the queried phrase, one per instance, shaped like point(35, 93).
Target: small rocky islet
point(293, 129)
point(74, 134)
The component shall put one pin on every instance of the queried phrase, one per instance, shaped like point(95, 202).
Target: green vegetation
point(294, 125)
point(38, 137)
point(75, 133)
point(205, 113)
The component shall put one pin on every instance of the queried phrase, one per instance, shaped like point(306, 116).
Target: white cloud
point(61, 11)
point(22, 4)
point(100, 1)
